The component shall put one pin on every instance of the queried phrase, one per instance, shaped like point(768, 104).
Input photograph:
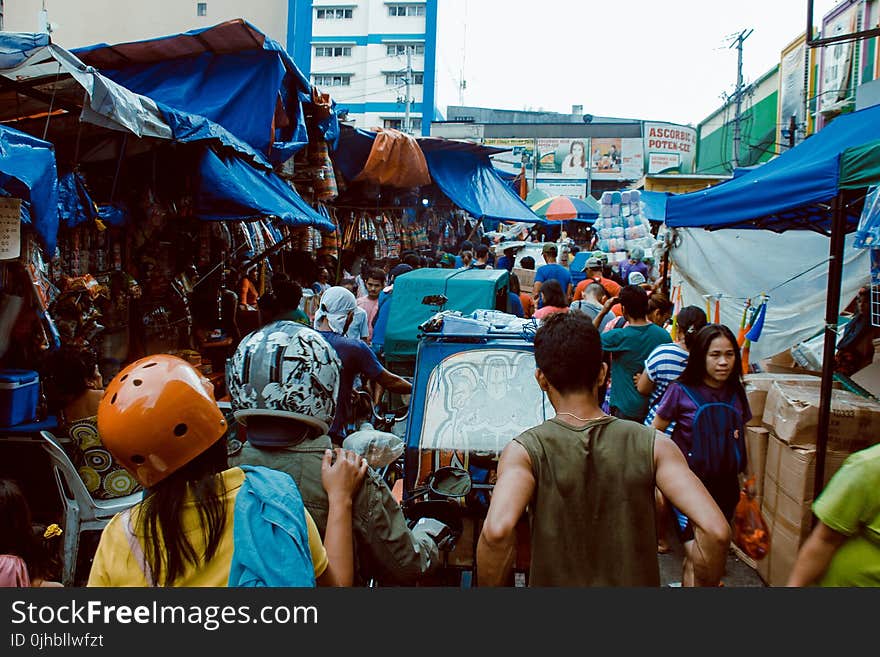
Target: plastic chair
point(82, 512)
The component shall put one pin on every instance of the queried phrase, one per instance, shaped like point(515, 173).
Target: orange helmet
point(157, 415)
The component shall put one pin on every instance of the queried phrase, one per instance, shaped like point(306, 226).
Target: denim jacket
point(270, 522)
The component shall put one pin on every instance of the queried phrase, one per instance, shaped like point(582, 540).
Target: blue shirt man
point(551, 270)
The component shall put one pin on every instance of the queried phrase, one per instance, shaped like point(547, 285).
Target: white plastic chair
point(82, 512)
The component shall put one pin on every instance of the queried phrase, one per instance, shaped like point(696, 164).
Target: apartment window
point(201, 9)
point(333, 14)
point(406, 10)
point(415, 124)
point(394, 78)
point(333, 51)
point(332, 80)
point(394, 49)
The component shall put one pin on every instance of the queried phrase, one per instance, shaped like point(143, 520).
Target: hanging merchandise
point(324, 184)
point(754, 332)
point(381, 249)
point(741, 336)
point(348, 232)
point(329, 244)
point(392, 235)
point(44, 294)
point(406, 239)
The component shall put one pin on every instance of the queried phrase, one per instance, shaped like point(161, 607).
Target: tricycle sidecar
point(471, 397)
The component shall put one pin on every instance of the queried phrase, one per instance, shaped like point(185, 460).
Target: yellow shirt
point(115, 565)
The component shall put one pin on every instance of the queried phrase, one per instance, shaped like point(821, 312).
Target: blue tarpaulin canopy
point(471, 182)
point(27, 171)
point(187, 128)
point(231, 73)
point(654, 205)
point(35, 75)
point(17, 47)
point(76, 206)
point(253, 189)
point(792, 191)
point(462, 170)
point(352, 151)
point(230, 188)
point(804, 188)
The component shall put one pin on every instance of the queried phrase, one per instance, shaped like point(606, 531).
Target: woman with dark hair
point(663, 366)
point(660, 309)
point(26, 550)
point(576, 160)
point(709, 389)
point(666, 363)
point(553, 298)
point(203, 523)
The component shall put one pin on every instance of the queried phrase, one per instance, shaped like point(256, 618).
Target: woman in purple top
point(634, 264)
point(713, 374)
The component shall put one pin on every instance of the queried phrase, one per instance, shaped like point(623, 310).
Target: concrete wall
point(84, 22)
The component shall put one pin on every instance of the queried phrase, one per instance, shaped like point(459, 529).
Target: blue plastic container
point(19, 394)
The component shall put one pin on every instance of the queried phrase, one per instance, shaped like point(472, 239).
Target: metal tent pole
point(832, 310)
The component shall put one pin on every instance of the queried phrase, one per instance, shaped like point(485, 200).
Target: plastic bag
point(377, 447)
point(750, 532)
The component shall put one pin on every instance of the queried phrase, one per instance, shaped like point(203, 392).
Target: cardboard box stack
point(757, 433)
point(757, 441)
point(790, 417)
point(758, 385)
point(787, 505)
point(792, 410)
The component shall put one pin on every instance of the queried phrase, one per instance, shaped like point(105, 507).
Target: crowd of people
point(644, 402)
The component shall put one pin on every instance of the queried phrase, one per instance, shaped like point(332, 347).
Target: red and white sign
point(670, 139)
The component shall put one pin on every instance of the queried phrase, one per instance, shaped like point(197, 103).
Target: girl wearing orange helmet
point(202, 523)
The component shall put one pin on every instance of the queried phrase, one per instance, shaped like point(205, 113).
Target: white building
point(364, 51)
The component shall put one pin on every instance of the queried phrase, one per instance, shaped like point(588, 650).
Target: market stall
point(155, 210)
point(399, 193)
point(818, 186)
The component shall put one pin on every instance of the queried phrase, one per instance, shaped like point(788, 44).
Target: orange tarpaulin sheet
point(396, 160)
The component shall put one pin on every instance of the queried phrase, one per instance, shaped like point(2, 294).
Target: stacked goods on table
point(621, 226)
point(781, 445)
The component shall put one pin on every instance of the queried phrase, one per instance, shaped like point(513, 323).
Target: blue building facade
point(357, 52)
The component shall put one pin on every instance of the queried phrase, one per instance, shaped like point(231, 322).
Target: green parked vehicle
point(420, 294)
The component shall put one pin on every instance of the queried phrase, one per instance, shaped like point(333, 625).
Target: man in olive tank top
point(587, 480)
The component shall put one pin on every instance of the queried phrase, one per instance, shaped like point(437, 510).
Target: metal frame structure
point(813, 42)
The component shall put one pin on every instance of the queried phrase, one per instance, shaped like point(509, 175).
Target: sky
point(645, 59)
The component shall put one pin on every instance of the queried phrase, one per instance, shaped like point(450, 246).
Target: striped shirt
point(664, 365)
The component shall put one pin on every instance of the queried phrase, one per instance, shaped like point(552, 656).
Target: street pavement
point(738, 573)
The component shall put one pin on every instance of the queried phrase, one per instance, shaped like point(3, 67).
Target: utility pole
point(741, 37)
point(406, 123)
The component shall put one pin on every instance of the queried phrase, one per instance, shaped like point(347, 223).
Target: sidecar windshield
point(479, 400)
